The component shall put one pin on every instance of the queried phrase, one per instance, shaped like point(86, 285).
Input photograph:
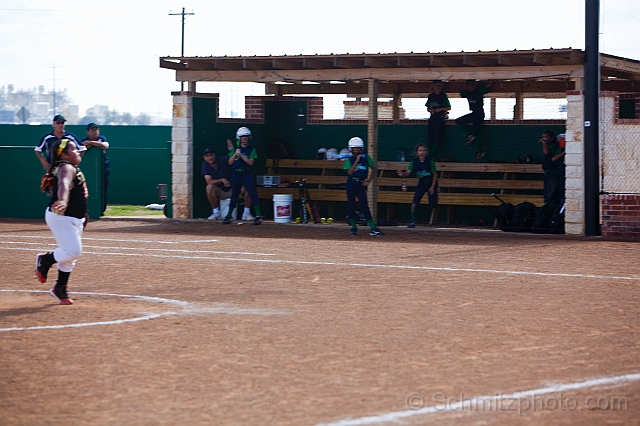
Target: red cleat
point(42, 269)
point(61, 296)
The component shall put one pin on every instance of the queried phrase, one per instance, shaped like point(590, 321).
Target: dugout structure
point(519, 74)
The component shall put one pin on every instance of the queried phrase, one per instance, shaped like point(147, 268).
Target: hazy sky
point(106, 52)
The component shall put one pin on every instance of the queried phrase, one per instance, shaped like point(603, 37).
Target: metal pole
point(182, 44)
point(54, 90)
point(182, 47)
point(592, 119)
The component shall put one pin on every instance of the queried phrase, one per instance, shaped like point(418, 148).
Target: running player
point(66, 216)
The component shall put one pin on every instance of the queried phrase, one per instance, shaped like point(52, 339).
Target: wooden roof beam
point(623, 86)
point(543, 58)
point(413, 62)
point(286, 64)
point(316, 89)
point(441, 61)
point(478, 61)
point(256, 64)
point(513, 60)
point(352, 89)
point(382, 74)
point(316, 63)
point(608, 72)
point(228, 65)
point(199, 65)
point(612, 62)
point(374, 62)
point(559, 58)
point(172, 65)
point(340, 62)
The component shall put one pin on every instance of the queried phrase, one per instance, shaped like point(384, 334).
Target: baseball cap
point(58, 118)
point(207, 150)
point(92, 125)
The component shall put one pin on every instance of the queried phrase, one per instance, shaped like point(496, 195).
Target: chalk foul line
point(367, 265)
point(396, 416)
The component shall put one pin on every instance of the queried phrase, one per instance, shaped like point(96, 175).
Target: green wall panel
point(141, 155)
point(501, 142)
point(20, 167)
point(140, 159)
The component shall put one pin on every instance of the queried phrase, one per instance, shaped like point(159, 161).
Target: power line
point(54, 88)
point(182, 49)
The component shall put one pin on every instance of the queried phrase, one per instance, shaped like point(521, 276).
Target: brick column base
point(621, 216)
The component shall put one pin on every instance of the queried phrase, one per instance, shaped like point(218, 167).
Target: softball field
point(195, 323)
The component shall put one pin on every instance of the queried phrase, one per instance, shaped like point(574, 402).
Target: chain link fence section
point(619, 145)
point(620, 111)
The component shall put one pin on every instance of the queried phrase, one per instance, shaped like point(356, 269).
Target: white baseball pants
point(67, 231)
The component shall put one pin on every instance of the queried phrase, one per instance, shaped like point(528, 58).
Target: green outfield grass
point(127, 210)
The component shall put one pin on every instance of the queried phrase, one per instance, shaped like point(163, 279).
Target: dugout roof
point(549, 72)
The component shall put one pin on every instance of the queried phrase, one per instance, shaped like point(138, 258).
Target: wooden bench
point(460, 184)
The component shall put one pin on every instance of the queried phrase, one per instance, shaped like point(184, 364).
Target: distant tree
point(142, 119)
point(112, 117)
point(87, 119)
point(126, 118)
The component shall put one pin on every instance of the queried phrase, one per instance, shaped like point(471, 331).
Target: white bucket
point(224, 208)
point(282, 208)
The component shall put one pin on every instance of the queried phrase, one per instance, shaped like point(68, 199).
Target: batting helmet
point(356, 142)
point(344, 153)
point(243, 131)
point(321, 154)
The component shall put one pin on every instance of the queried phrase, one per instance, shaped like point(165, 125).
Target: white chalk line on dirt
point(396, 416)
point(185, 308)
point(377, 265)
point(113, 239)
point(366, 265)
point(244, 253)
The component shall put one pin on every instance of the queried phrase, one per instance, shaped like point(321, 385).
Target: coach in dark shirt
point(217, 175)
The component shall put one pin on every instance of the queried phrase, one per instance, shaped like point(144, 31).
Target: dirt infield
point(196, 323)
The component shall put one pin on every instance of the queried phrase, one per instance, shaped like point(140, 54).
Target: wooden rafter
point(547, 71)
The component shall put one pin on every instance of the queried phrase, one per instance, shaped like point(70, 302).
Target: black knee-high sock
point(48, 259)
point(63, 279)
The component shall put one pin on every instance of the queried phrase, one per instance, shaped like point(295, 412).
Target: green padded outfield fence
point(141, 155)
point(140, 160)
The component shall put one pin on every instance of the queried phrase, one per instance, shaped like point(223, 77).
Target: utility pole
point(182, 50)
point(54, 89)
point(592, 120)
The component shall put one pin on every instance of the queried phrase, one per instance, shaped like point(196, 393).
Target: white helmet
point(243, 131)
point(332, 154)
point(321, 154)
point(344, 153)
point(356, 142)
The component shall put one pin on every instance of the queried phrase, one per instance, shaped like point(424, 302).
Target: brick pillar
point(315, 109)
point(574, 212)
point(372, 145)
point(182, 156)
point(254, 107)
